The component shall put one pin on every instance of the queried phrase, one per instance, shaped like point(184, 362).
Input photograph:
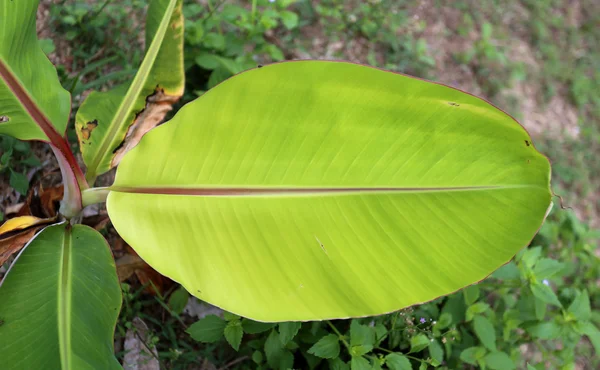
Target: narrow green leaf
point(255, 327)
point(208, 329)
point(310, 206)
point(477, 308)
point(499, 361)
point(397, 361)
point(288, 330)
point(19, 182)
point(326, 347)
point(418, 343)
point(485, 331)
point(62, 295)
point(546, 268)
point(591, 331)
point(436, 351)
point(471, 294)
point(109, 124)
point(509, 271)
point(540, 308)
point(545, 330)
point(178, 300)
point(580, 307)
point(545, 293)
point(531, 256)
point(233, 334)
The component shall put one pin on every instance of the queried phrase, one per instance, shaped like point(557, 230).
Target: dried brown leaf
point(157, 106)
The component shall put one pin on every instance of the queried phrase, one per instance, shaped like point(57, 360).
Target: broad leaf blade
point(33, 104)
point(109, 124)
point(312, 190)
point(61, 297)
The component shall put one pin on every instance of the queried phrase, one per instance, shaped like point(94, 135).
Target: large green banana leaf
point(33, 104)
point(109, 124)
point(59, 303)
point(313, 190)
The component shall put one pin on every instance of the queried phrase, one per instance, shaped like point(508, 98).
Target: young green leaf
point(109, 124)
point(208, 329)
point(397, 361)
point(288, 330)
point(289, 19)
point(591, 331)
point(360, 350)
point(471, 294)
point(338, 364)
point(509, 271)
point(178, 300)
point(472, 355)
point(274, 350)
point(545, 330)
point(361, 334)
point(444, 321)
point(233, 333)
point(326, 347)
point(485, 331)
point(499, 361)
point(69, 306)
point(477, 308)
point(19, 182)
point(360, 363)
point(436, 351)
point(531, 256)
point(545, 293)
point(339, 189)
point(580, 307)
point(546, 268)
point(540, 308)
point(257, 357)
point(256, 327)
point(228, 316)
point(418, 343)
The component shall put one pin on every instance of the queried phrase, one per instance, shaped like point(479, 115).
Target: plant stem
point(253, 14)
point(69, 169)
point(94, 195)
point(342, 338)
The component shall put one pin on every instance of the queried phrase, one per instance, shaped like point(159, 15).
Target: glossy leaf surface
point(59, 303)
point(109, 124)
point(33, 104)
point(313, 190)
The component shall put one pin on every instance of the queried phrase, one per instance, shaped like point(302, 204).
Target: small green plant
point(227, 38)
point(16, 158)
point(298, 191)
point(393, 39)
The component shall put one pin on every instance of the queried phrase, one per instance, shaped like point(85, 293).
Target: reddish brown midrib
point(41, 120)
point(278, 191)
point(27, 103)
